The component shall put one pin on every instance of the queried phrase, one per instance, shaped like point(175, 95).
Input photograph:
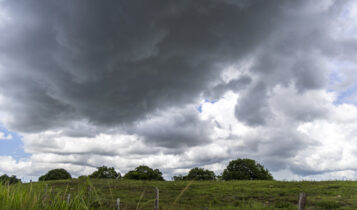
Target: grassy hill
point(102, 194)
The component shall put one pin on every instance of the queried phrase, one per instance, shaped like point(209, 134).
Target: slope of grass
point(102, 194)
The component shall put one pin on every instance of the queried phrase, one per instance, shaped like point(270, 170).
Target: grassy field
point(102, 194)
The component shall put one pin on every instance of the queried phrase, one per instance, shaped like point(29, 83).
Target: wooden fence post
point(302, 201)
point(118, 204)
point(157, 199)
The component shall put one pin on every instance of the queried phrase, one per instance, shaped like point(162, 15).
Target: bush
point(144, 173)
point(5, 179)
point(105, 173)
point(55, 174)
point(200, 174)
point(246, 169)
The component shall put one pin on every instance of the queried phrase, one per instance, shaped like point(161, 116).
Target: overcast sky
point(179, 84)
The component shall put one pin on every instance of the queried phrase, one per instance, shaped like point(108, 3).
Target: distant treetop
point(144, 173)
point(105, 173)
point(55, 174)
point(5, 179)
point(200, 174)
point(245, 169)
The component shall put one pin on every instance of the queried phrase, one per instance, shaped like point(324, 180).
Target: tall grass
point(40, 196)
point(213, 195)
point(22, 197)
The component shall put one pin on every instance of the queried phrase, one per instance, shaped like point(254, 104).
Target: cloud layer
point(179, 84)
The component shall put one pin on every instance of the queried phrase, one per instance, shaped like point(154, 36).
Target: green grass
point(178, 195)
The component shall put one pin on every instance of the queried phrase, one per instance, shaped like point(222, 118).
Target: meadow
point(103, 193)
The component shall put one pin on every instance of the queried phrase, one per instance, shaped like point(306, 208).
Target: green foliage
point(144, 173)
point(5, 179)
point(328, 204)
point(55, 174)
point(177, 178)
point(105, 173)
point(246, 169)
point(200, 174)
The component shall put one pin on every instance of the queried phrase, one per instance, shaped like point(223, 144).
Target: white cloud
point(292, 149)
point(3, 136)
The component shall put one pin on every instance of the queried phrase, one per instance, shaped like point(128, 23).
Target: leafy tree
point(200, 174)
point(246, 169)
point(5, 179)
point(144, 173)
point(177, 178)
point(55, 174)
point(105, 173)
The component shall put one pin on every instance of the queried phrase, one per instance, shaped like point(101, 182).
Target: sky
point(179, 84)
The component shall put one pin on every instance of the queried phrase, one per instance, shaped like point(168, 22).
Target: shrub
point(55, 174)
point(144, 173)
point(105, 173)
point(200, 174)
point(246, 169)
point(5, 179)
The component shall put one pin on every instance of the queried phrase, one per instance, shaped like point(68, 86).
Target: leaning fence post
point(157, 199)
point(118, 204)
point(302, 201)
point(68, 198)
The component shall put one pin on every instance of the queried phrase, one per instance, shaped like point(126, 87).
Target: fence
point(301, 202)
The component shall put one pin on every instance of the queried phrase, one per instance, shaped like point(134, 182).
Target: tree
point(200, 174)
point(177, 178)
point(246, 169)
point(5, 179)
point(105, 173)
point(144, 173)
point(55, 174)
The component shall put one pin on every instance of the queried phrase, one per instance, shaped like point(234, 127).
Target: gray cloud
point(176, 129)
point(295, 54)
point(113, 63)
point(253, 108)
point(234, 85)
point(274, 145)
point(129, 67)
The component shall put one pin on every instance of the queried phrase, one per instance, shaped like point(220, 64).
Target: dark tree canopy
point(55, 174)
point(200, 174)
point(245, 169)
point(105, 173)
point(144, 173)
point(5, 179)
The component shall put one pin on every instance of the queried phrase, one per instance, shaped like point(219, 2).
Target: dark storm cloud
point(89, 67)
point(114, 62)
point(295, 54)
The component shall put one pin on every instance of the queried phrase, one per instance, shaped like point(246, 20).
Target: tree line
point(240, 169)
